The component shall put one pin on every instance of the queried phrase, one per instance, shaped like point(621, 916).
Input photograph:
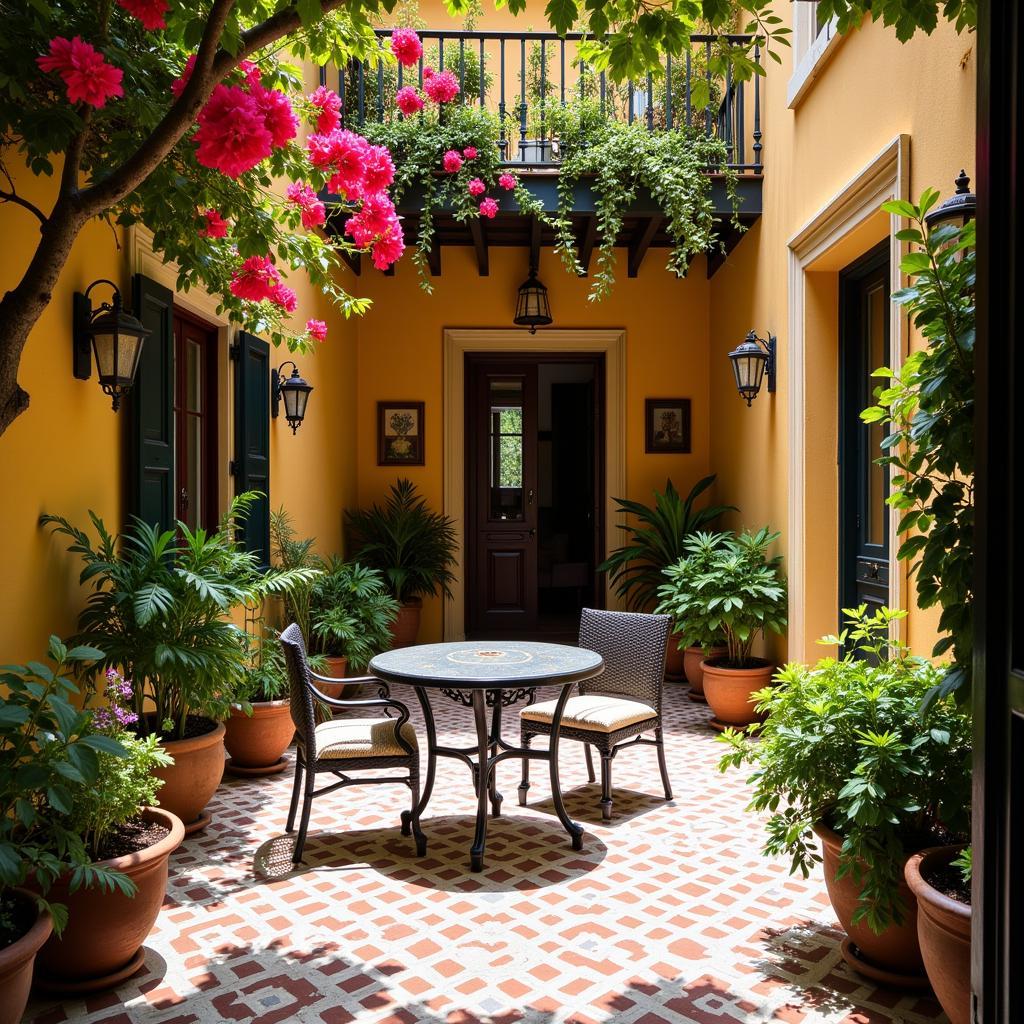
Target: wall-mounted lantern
point(110, 334)
point(293, 391)
point(958, 209)
point(532, 307)
point(751, 360)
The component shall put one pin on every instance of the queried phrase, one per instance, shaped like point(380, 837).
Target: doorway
point(534, 487)
point(863, 484)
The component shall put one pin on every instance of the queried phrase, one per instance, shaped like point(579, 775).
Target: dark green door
point(251, 466)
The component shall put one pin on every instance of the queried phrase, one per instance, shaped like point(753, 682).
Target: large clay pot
point(194, 777)
point(337, 668)
point(944, 930)
point(16, 963)
point(257, 742)
point(102, 943)
point(407, 624)
point(674, 668)
point(892, 958)
point(693, 665)
point(728, 691)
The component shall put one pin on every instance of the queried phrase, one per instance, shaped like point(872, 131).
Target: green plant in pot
point(159, 610)
point(412, 547)
point(728, 586)
point(848, 753)
point(656, 539)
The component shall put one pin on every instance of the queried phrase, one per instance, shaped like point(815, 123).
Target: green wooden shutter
point(150, 462)
point(252, 437)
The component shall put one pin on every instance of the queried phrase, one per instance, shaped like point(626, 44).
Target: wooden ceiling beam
point(640, 245)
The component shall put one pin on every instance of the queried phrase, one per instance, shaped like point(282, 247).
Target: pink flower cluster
point(440, 86)
point(328, 102)
point(313, 211)
point(508, 182)
point(215, 225)
point(470, 153)
point(452, 161)
point(377, 225)
point(242, 124)
point(408, 100)
point(488, 208)
point(258, 280)
point(117, 716)
point(87, 77)
point(149, 12)
point(406, 46)
point(317, 329)
point(477, 187)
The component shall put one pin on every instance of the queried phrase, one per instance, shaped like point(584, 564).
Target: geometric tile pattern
point(669, 914)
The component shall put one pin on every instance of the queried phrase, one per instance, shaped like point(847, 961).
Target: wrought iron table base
point(490, 750)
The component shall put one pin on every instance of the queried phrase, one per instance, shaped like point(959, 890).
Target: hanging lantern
point(293, 391)
point(751, 360)
point(958, 209)
point(532, 307)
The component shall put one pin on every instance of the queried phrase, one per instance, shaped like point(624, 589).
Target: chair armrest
point(357, 702)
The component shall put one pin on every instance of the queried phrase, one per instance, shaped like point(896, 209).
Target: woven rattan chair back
point(633, 647)
point(300, 694)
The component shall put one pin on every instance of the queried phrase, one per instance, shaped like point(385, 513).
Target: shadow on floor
point(584, 804)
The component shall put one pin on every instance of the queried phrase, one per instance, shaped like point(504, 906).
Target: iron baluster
point(562, 56)
point(543, 96)
point(650, 102)
point(688, 97)
point(729, 125)
point(462, 70)
point(707, 76)
point(380, 85)
point(629, 101)
point(741, 141)
point(482, 74)
point(341, 89)
point(522, 98)
point(361, 108)
point(603, 80)
point(668, 91)
point(757, 112)
point(502, 141)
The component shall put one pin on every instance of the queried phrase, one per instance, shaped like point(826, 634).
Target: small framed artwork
point(667, 425)
point(400, 434)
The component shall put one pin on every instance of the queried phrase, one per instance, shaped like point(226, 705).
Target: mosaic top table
point(482, 675)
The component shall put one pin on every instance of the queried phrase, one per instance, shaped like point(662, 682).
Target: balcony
point(523, 78)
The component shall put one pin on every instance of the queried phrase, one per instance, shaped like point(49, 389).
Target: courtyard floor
point(669, 914)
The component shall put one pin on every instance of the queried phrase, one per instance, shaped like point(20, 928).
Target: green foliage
point(727, 587)
point(264, 674)
point(846, 743)
point(656, 539)
point(964, 863)
point(159, 606)
point(929, 402)
point(51, 759)
point(412, 546)
point(906, 16)
point(624, 158)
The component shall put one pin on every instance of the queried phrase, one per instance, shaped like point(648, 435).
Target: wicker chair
point(351, 744)
point(623, 702)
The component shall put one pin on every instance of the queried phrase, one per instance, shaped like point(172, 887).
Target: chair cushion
point(599, 712)
point(361, 737)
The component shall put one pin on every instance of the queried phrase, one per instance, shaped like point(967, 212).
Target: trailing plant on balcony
point(846, 744)
point(929, 404)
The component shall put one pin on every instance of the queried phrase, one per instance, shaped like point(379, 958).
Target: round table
point(490, 674)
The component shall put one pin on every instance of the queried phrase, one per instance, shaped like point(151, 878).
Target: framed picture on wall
point(667, 428)
point(400, 434)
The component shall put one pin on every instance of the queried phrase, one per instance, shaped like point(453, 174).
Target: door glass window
point(506, 448)
point(195, 440)
point(877, 483)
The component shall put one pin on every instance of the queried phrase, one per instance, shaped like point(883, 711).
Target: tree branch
point(13, 197)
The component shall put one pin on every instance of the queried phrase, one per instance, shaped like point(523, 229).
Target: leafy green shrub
point(726, 587)
point(846, 743)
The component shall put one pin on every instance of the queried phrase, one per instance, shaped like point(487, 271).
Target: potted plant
point(728, 586)
point(49, 755)
point(655, 541)
point(411, 546)
point(847, 752)
point(159, 611)
point(124, 833)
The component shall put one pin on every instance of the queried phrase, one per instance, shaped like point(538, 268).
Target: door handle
point(873, 571)
point(529, 496)
point(533, 533)
point(183, 498)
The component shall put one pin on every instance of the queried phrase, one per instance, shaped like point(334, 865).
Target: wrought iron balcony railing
point(523, 76)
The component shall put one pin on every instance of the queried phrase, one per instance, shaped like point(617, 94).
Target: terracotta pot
point(257, 742)
point(673, 660)
point(894, 957)
point(944, 931)
point(194, 777)
point(337, 666)
point(16, 963)
point(407, 624)
point(728, 691)
point(102, 943)
point(693, 664)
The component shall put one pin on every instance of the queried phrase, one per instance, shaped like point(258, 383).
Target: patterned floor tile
point(668, 914)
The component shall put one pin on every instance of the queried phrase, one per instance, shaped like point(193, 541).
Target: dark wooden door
point(863, 484)
point(501, 506)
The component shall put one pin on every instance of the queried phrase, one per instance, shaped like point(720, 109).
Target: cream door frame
point(886, 177)
point(457, 342)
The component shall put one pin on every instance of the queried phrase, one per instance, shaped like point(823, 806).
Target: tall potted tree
point(412, 546)
point(728, 585)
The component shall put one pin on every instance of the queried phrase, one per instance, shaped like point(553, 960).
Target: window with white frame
point(814, 36)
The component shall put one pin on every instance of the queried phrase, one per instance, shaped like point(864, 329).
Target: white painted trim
point(810, 63)
point(887, 176)
point(457, 342)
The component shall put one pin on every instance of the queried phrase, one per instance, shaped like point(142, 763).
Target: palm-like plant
point(412, 546)
point(159, 611)
point(658, 539)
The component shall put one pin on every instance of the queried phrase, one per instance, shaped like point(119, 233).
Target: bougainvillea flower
point(328, 103)
point(379, 170)
point(317, 329)
point(441, 87)
point(488, 208)
point(508, 182)
point(408, 100)
point(313, 211)
point(256, 279)
point(451, 161)
point(348, 160)
point(477, 187)
point(251, 72)
point(178, 85)
point(216, 226)
point(149, 12)
point(278, 115)
point(87, 76)
point(406, 46)
point(232, 136)
point(281, 295)
point(469, 152)
point(388, 249)
point(374, 219)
